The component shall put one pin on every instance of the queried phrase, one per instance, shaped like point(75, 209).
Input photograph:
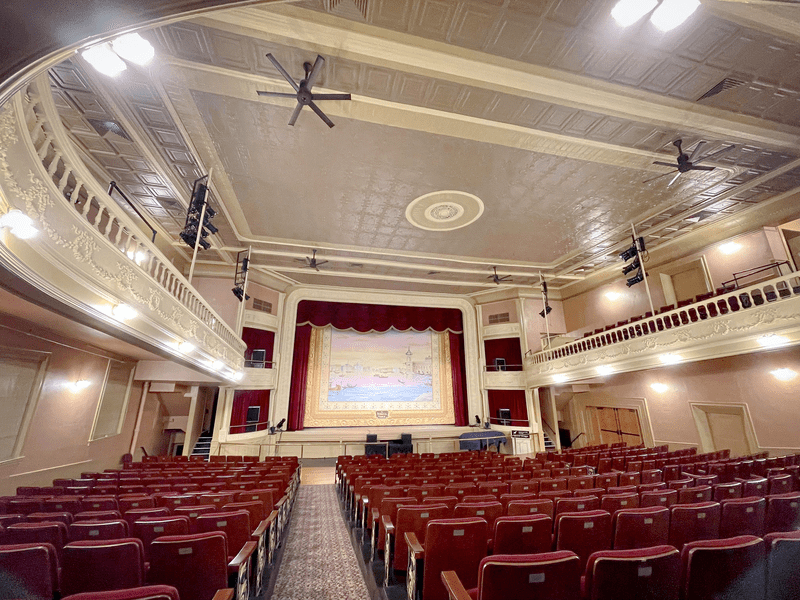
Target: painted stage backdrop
point(388, 378)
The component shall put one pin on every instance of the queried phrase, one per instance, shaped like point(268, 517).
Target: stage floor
point(318, 471)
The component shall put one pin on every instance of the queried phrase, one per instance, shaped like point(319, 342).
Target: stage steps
point(202, 447)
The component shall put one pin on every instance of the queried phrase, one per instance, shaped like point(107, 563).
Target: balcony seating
point(94, 566)
point(29, 571)
point(653, 573)
point(729, 568)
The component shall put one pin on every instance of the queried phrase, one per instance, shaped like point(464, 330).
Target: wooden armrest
point(455, 589)
point(244, 555)
point(224, 594)
point(387, 524)
point(376, 515)
point(414, 547)
point(280, 502)
point(262, 527)
point(272, 518)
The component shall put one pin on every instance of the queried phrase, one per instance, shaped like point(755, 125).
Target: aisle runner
point(319, 562)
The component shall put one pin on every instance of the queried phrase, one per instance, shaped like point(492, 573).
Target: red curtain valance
point(376, 317)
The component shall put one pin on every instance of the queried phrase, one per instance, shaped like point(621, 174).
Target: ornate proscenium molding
point(90, 256)
point(761, 316)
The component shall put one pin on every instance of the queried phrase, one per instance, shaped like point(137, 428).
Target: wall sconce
point(783, 374)
point(659, 387)
point(77, 386)
point(605, 370)
point(730, 247)
point(124, 312)
point(20, 224)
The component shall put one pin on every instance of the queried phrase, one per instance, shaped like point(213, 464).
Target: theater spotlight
point(477, 420)
point(278, 428)
point(545, 311)
point(239, 293)
point(631, 267)
point(629, 253)
point(638, 278)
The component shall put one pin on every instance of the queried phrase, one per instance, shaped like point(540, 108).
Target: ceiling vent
point(347, 8)
point(499, 318)
point(262, 305)
point(726, 84)
point(104, 127)
point(703, 214)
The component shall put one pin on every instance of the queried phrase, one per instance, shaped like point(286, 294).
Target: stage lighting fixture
point(477, 420)
point(629, 253)
point(641, 245)
point(545, 311)
point(638, 278)
point(631, 267)
point(238, 291)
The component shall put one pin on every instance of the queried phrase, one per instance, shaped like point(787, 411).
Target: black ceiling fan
point(497, 279)
point(688, 163)
point(312, 262)
point(302, 90)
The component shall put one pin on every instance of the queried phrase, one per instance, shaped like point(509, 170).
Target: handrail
point(77, 186)
point(113, 186)
point(753, 271)
point(772, 290)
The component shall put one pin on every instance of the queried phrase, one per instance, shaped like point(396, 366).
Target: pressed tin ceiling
point(560, 174)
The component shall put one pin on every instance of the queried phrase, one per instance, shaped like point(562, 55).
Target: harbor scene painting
point(386, 367)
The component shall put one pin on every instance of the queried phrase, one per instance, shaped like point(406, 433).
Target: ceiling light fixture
point(659, 387)
point(672, 13)
point(783, 374)
point(185, 347)
point(772, 340)
point(605, 370)
point(613, 296)
point(103, 58)
point(20, 224)
point(730, 247)
point(627, 12)
point(670, 359)
point(238, 376)
point(560, 378)
point(134, 48)
point(124, 312)
point(217, 365)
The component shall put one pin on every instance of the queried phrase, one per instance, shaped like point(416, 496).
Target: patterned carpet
point(319, 562)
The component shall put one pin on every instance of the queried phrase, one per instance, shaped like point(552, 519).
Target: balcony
point(763, 315)
point(90, 257)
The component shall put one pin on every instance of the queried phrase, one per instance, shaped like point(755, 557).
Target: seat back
point(641, 527)
point(522, 534)
point(578, 504)
point(148, 529)
point(235, 524)
point(453, 545)
point(413, 519)
point(783, 512)
point(653, 573)
point(783, 556)
point(728, 568)
point(101, 565)
point(43, 532)
point(693, 495)
point(460, 489)
point(546, 576)
point(97, 530)
point(449, 501)
point(268, 497)
point(255, 509)
point(724, 491)
point(615, 502)
point(389, 508)
point(691, 522)
point(29, 571)
point(742, 516)
point(583, 532)
point(755, 487)
point(99, 503)
point(64, 517)
point(488, 511)
point(658, 498)
point(69, 504)
point(197, 565)
point(542, 506)
point(135, 514)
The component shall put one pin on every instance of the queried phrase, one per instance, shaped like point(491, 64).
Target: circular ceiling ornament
point(445, 210)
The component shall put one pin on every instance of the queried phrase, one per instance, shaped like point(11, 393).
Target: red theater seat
point(29, 571)
point(97, 530)
point(783, 512)
point(147, 592)
point(583, 533)
point(648, 573)
point(523, 534)
point(727, 568)
point(742, 516)
point(640, 527)
point(783, 558)
point(691, 522)
point(95, 566)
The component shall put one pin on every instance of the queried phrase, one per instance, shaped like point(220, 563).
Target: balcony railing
point(766, 292)
point(84, 229)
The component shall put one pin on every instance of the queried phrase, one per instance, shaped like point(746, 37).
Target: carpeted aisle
point(319, 562)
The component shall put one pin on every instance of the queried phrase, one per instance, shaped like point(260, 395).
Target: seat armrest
point(388, 526)
point(262, 527)
point(376, 515)
point(455, 589)
point(280, 502)
point(244, 555)
point(415, 549)
point(224, 594)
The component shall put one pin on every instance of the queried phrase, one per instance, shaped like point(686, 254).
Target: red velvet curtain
point(258, 339)
point(297, 392)
point(507, 348)
point(373, 317)
point(244, 399)
point(514, 400)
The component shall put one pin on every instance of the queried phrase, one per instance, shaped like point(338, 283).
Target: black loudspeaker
point(504, 416)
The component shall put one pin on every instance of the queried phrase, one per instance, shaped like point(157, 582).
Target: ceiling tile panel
point(512, 36)
point(607, 61)
point(66, 76)
point(717, 33)
point(575, 54)
point(475, 101)
point(188, 41)
point(473, 26)
point(444, 96)
point(390, 13)
point(412, 89)
point(378, 81)
point(433, 18)
point(636, 68)
point(668, 75)
point(547, 41)
point(229, 51)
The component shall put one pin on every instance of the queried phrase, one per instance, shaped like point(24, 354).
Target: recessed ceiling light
point(772, 340)
point(605, 370)
point(730, 247)
point(783, 374)
point(104, 60)
point(238, 376)
point(134, 48)
point(672, 13)
point(560, 378)
point(185, 347)
point(613, 296)
point(217, 364)
point(670, 359)
point(20, 224)
point(659, 387)
point(123, 312)
point(627, 12)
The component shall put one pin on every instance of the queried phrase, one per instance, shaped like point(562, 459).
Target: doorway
point(609, 425)
point(685, 281)
point(724, 426)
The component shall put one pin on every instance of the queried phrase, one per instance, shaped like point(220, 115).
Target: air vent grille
point(262, 305)
point(499, 318)
point(726, 84)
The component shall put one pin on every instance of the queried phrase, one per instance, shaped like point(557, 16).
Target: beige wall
point(255, 290)
point(535, 325)
point(57, 441)
point(744, 379)
point(217, 292)
point(494, 308)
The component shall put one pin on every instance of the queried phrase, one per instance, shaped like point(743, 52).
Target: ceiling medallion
point(444, 210)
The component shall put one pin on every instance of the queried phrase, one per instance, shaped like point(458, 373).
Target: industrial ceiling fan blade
point(674, 179)
point(702, 168)
point(316, 268)
point(696, 150)
point(331, 96)
point(321, 114)
point(664, 164)
point(283, 72)
point(277, 95)
point(659, 176)
point(321, 262)
point(295, 114)
point(312, 76)
point(715, 154)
